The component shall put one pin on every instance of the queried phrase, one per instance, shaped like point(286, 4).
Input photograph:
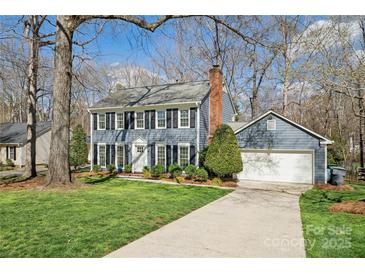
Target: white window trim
point(178, 152)
point(156, 153)
point(158, 110)
point(116, 154)
point(116, 120)
point(179, 120)
point(267, 124)
point(99, 121)
point(135, 120)
point(99, 145)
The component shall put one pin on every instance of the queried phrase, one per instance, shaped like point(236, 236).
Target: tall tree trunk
point(285, 87)
point(59, 167)
point(30, 148)
point(361, 133)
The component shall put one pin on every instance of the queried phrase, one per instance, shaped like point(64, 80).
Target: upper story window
point(271, 125)
point(119, 121)
point(140, 120)
point(102, 122)
point(184, 118)
point(161, 119)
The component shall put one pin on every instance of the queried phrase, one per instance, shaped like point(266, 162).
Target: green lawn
point(329, 234)
point(91, 221)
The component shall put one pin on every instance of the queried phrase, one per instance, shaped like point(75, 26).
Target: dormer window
point(140, 120)
point(271, 124)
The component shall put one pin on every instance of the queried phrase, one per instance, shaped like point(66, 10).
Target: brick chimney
point(216, 90)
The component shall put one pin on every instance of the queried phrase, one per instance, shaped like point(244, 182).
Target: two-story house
point(160, 124)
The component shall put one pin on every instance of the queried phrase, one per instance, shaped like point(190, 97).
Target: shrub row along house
point(173, 123)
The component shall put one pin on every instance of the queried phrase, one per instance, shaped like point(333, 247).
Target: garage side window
point(271, 125)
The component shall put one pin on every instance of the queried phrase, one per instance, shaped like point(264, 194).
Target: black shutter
point(95, 154)
point(192, 155)
point(14, 153)
point(107, 121)
point(126, 120)
point(192, 117)
point(169, 112)
point(131, 123)
point(168, 155)
point(108, 154)
point(112, 154)
point(147, 119)
point(112, 120)
point(174, 154)
point(126, 154)
point(95, 121)
point(7, 152)
point(175, 118)
point(153, 119)
point(153, 156)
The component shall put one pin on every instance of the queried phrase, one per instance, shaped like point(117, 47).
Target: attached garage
point(276, 149)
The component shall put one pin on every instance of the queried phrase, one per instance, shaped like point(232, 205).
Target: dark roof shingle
point(16, 133)
point(157, 95)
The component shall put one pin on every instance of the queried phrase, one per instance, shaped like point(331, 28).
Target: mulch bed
point(332, 187)
point(90, 174)
point(354, 207)
point(31, 183)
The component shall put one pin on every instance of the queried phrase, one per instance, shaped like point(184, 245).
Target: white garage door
point(277, 166)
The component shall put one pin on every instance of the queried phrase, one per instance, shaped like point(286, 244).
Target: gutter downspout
point(197, 135)
point(91, 141)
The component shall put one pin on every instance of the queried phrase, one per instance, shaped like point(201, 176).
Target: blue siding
point(227, 109)
point(286, 136)
point(204, 123)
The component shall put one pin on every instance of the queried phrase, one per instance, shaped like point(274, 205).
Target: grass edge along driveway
point(332, 235)
point(94, 220)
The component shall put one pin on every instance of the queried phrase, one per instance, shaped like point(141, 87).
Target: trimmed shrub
point(216, 181)
point(96, 168)
point(175, 170)
point(190, 171)
point(203, 155)
point(180, 179)
point(128, 168)
point(78, 147)
point(224, 157)
point(110, 168)
point(157, 170)
point(201, 175)
point(9, 162)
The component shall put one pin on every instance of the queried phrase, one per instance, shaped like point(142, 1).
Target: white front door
point(277, 166)
point(139, 155)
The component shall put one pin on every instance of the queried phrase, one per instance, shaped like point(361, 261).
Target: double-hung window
point(140, 120)
point(161, 155)
point(161, 119)
point(102, 121)
point(120, 155)
point(12, 153)
point(184, 155)
point(119, 120)
point(102, 155)
point(184, 118)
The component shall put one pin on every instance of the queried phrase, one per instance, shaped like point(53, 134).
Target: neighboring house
point(161, 124)
point(13, 137)
point(277, 149)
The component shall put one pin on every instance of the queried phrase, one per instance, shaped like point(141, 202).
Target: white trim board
point(326, 141)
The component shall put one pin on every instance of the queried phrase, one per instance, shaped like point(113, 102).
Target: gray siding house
point(275, 148)
point(161, 124)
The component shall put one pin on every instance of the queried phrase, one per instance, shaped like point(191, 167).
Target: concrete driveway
point(256, 220)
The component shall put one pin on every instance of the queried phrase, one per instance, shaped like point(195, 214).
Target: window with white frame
point(183, 155)
point(102, 155)
point(140, 120)
point(120, 155)
point(161, 119)
point(271, 124)
point(184, 118)
point(161, 155)
point(102, 121)
point(12, 153)
point(119, 121)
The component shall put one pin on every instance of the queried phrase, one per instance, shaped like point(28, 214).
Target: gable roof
point(325, 140)
point(16, 133)
point(187, 92)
